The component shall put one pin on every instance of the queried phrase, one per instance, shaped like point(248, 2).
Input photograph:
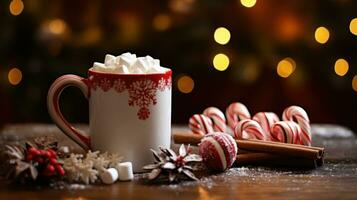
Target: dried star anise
point(167, 162)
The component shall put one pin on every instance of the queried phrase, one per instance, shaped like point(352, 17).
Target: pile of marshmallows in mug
point(294, 129)
point(128, 63)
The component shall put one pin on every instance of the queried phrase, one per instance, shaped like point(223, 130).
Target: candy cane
point(299, 115)
point(235, 113)
point(286, 132)
point(200, 124)
point(249, 129)
point(217, 117)
point(266, 121)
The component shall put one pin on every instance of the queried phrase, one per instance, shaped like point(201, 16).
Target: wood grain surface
point(336, 179)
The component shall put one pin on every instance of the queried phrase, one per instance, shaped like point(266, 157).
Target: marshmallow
point(99, 67)
point(142, 64)
point(109, 176)
point(122, 70)
point(126, 59)
point(125, 170)
point(109, 60)
point(128, 63)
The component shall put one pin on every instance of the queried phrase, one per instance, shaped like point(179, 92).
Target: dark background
point(261, 36)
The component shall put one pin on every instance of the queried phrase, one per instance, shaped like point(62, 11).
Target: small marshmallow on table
point(109, 176)
point(125, 170)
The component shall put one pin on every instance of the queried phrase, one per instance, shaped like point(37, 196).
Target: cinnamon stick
point(293, 150)
point(186, 138)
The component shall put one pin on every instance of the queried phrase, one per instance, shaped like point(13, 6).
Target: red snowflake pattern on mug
point(161, 85)
point(169, 83)
point(105, 84)
point(142, 93)
point(119, 85)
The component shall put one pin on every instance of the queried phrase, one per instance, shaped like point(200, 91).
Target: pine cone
point(169, 163)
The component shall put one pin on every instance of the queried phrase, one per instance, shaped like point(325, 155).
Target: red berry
point(48, 154)
point(33, 151)
point(53, 161)
point(39, 160)
point(29, 157)
point(60, 170)
point(53, 154)
point(50, 168)
point(42, 152)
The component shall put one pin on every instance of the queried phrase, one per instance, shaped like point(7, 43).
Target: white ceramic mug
point(128, 113)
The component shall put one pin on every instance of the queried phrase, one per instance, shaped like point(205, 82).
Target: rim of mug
point(93, 72)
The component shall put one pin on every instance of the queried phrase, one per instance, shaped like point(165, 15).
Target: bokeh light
point(341, 67)
point(16, 7)
point(220, 62)
point(248, 3)
point(250, 71)
point(14, 76)
point(185, 84)
point(322, 35)
point(354, 83)
point(222, 35)
point(353, 26)
point(161, 22)
point(286, 67)
point(57, 26)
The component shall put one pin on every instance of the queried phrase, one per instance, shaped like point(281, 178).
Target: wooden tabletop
point(336, 179)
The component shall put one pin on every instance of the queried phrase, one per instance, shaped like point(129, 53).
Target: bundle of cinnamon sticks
point(267, 153)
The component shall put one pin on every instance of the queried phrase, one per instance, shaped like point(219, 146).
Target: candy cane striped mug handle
point(54, 110)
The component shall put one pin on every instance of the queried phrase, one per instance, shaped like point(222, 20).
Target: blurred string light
point(248, 3)
point(322, 35)
point(129, 28)
point(341, 67)
point(354, 83)
point(57, 26)
point(222, 35)
point(250, 71)
point(185, 84)
point(353, 26)
point(181, 6)
point(289, 27)
point(220, 62)
point(14, 76)
point(286, 67)
point(16, 7)
point(161, 22)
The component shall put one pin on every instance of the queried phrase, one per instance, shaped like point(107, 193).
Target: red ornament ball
point(218, 151)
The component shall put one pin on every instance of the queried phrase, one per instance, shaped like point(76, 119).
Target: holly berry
point(40, 160)
point(29, 157)
point(46, 161)
point(49, 171)
point(42, 152)
point(60, 170)
point(33, 151)
point(52, 153)
point(53, 161)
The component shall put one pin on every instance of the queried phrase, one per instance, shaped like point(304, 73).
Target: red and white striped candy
point(299, 115)
point(249, 129)
point(235, 113)
point(218, 151)
point(266, 121)
point(200, 124)
point(286, 132)
point(217, 117)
